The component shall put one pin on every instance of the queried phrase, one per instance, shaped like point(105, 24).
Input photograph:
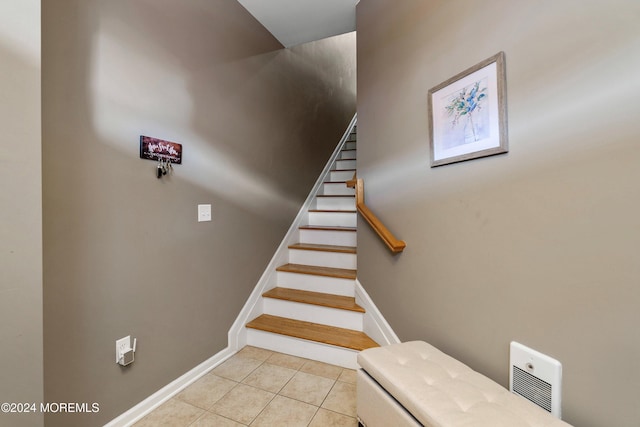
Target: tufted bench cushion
point(439, 391)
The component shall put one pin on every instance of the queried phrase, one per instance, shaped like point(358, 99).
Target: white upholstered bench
point(414, 383)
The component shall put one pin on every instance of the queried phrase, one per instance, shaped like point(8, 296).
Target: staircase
point(312, 312)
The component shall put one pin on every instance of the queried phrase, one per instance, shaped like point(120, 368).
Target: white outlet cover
point(122, 345)
point(204, 213)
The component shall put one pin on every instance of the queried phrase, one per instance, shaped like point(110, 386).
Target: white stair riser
point(302, 348)
point(348, 155)
point(323, 259)
point(314, 313)
point(336, 203)
point(337, 189)
point(345, 164)
point(350, 145)
point(312, 283)
point(329, 237)
point(334, 219)
point(340, 175)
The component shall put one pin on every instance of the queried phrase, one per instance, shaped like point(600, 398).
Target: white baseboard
point(375, 325)
point(165, 393)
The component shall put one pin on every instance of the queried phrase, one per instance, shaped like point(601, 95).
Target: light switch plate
point(204, 213)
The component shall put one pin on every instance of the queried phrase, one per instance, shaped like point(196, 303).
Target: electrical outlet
point(122, 346)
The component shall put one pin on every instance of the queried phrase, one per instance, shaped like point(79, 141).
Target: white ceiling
point(294, 22)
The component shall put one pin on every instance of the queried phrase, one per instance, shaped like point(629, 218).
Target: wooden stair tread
point(343, 170)
point(333, 211)
point(314, 298)
point(331, 335)
point(340, 273)
point(328, 228)
point(324, 248)
point(336, 195)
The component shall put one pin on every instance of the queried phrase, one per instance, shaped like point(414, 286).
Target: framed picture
point(468, 114)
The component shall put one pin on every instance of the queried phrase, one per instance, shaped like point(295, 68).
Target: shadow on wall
point(123, 251)
point(212, 102)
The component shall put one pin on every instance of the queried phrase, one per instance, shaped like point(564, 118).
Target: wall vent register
point(536, 377)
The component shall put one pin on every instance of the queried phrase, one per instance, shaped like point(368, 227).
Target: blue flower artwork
point(469, 120)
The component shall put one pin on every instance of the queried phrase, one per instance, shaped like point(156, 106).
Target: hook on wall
point(164, 167)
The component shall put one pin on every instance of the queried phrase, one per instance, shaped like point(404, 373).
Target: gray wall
point(539, 245)
point(20, 210)
point(123, 252)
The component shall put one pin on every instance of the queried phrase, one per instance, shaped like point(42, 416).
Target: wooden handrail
point(387, 237)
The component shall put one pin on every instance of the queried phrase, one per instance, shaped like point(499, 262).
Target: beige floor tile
point(219, 399)
point(269, 377)
point(348, 376)
point(242, 404)
point(326, 418)
point(307, 388)
point(286, 361)
point(173, 413)
point(215, 420)
point(321, 369)
point(206, 391)
point(282, 411)
point(237, 368)
point(342, 399)
point(255, 353)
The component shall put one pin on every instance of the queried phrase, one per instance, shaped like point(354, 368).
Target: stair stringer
point(375, 325)
point(237, 335)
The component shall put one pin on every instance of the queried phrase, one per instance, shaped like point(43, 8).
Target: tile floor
point(259, 387)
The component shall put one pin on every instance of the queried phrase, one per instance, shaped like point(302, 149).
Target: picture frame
point(468, 114)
